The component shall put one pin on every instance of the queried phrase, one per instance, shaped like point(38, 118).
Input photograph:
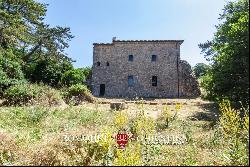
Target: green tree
point(200, 69)
point(10, 70)
point(76, 76)
point(49, 71)
point(87, 72)
point(19, 19)
point(48, 42)
point(228, 53)
point(35, 46)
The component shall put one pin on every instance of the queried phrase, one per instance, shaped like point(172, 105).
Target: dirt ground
point(196, 109)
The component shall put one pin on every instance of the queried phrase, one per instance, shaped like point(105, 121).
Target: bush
point(75, 94)
point(25, 94)
point(207, 87)
point(76, 76)
point(48, 71)
point(234, 134)
point(72, 77)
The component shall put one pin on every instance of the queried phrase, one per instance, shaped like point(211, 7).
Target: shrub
point(76, 94)
point(131, 156)
point(48, 71)
point(25, 94)
point(207, 87)
point(74, 76)
point(167, 117)
point(234, 132)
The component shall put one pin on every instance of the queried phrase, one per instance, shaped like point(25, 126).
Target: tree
point(19, 19)
point(228, 52)
point(72, 77)
point(49, 71)
point(48, 42)
point(37, 48)
point(76, 76)
point(200, 69)
point(10, 70)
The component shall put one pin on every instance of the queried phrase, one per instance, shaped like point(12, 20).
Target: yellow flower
point(178, 106)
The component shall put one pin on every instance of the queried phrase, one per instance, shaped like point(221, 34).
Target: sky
point(98, 21)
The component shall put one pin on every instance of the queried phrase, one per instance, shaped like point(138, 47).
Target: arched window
point(130, 58)
point(153, 58)
point(98, 63)
point(107, 63)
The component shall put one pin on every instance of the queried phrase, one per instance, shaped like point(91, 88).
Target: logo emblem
point(122, 140)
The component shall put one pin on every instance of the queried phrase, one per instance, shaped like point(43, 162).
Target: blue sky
point(97, 21)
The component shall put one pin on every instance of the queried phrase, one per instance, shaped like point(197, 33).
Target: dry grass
point(35, 135)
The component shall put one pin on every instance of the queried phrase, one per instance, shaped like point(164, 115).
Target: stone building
point(141, 68)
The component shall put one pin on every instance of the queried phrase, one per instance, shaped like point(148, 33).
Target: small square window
point(153, 58)
point(130, 58)
point(98, 63)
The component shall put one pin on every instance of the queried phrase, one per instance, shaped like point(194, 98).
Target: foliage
point(74, 76)
point(10, 70)
point(206, 83)
point(76, 94)
point(25, 94)
point(200, 69)
point(49, 71)
point(142, 126)
point(167, 117)
point(132, 156)
point(87, 72)
point(19, 19)
point(121, 120)
point(228, 53)
point(32, 47)
point(235, 132)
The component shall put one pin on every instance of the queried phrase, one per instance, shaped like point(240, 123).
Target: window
point(130, 80)
point(154, 80)
point(107, 63)
point(130, 58)
point(153, 58)
point(98, 63)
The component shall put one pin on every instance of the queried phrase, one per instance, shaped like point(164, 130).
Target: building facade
point(140, 68)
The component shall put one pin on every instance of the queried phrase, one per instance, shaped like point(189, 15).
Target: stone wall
point(189, 86)
point(115, 76)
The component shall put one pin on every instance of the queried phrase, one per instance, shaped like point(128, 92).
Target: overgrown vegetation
point(228, 53)
point(45, 136)
point(234, 131)
point(76, 94)
point(32, 51)
point(30, 94)
point(36, 74)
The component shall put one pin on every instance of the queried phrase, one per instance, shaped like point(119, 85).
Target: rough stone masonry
point(142, 68)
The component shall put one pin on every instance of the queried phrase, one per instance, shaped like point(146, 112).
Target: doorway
point(102, 90)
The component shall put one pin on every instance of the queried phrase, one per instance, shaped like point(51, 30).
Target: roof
point(139, 41)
